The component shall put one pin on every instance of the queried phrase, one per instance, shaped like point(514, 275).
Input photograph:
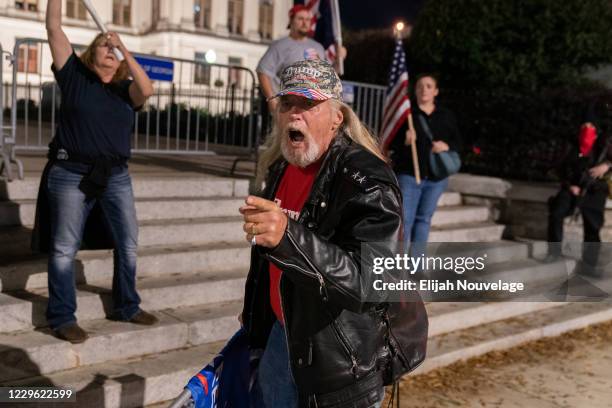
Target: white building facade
point(235, 32)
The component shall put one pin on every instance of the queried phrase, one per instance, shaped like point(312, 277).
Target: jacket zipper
point(322, 287)
point(393, 340)
point(346, 345)
point(319, 276)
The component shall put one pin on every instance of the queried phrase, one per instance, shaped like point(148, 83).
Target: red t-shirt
point(291, 195)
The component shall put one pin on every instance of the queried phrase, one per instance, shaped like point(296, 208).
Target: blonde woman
point(87, 167)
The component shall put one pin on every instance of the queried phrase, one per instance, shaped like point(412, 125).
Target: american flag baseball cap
point(311, 79)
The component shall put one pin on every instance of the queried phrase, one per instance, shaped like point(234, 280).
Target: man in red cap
point(298, 46)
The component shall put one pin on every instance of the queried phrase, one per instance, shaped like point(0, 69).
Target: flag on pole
point(325, 27)
point(396, 107)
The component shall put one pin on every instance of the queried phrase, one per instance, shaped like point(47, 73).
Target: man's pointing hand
point(264, 221)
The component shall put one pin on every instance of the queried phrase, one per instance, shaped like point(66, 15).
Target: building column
point(219, 17)
point(173, 14)
point(251, 20)
point(165, 7)
point(142, 14)
point(105, 11)
point(186, 8)
point(281, 17)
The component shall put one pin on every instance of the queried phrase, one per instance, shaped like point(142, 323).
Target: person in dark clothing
point(421, 200)
point(87, 167)
point(583, 188)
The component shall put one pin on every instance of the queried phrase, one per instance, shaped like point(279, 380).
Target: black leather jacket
point(335, 338)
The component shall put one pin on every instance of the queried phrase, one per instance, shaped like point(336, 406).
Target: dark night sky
point(360, 14)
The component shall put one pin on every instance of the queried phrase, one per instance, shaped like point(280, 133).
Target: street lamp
point(210, 56)
point(402, 30)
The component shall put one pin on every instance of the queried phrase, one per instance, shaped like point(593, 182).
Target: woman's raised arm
point(59, 43)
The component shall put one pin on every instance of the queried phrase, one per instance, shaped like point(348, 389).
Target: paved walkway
point(573, 370)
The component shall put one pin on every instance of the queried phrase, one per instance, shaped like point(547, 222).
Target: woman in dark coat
point(421, 200)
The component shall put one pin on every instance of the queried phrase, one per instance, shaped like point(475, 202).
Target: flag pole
point(415, 157)
point(338, 35)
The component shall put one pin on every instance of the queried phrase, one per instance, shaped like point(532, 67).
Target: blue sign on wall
point(157, 69)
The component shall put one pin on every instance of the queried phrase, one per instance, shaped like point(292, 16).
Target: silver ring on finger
point(254, 240)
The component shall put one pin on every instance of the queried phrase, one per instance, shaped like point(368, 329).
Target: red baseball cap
point(296, 9)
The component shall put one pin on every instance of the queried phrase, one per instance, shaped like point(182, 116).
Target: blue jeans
point(274, 375)
point(69, 210)
point(420, 202)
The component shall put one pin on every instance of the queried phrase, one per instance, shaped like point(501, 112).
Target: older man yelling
point(327, 190)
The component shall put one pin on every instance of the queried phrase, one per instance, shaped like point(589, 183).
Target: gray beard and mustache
point(300, 158)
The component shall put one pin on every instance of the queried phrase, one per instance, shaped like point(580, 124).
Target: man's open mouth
point(296, 136)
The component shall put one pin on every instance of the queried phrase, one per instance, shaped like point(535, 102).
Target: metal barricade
point(203, 108)
point(367, 101)
point(7, 142)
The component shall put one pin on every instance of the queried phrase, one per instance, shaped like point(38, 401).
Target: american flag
point(323, 27)
point(396, 106)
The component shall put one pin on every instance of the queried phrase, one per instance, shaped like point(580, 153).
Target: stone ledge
point(495, 187)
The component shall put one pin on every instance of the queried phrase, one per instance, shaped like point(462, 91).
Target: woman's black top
point(443, 126)
point(95, 120)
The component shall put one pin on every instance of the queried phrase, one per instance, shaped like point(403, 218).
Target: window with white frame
point(29, 5)
point(201, 75)
point(28, 59)
point(122, 12)
point(234, 75)
point(266, 19)
point(76, 9)
point(235, 15)
point(202, 13)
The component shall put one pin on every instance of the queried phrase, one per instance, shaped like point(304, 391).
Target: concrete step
point(461, 214)
point(541, 281)
point(97, 266)
point(531, 271)
point(470, 232)
point(494, 251)
point(146, 187)
point(535, 274)
point(157, 378)
point(31, 353)
point(24, 310)
point(133, 383)
point(448, 348)
point(17, 213)
point(446, 317)
point(21, 211)
point(15, 241)
point(573, 232)
point(13, 213)
point(191, 231)
point(449, 198)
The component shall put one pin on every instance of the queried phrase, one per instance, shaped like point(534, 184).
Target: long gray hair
point(351, 126)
